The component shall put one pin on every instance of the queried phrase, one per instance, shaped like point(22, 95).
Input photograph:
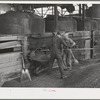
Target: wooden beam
point(10, 37)
point(11, 44)
point(81, 38)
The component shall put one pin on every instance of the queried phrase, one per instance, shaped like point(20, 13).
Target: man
point(56, 53)
point(68, 52)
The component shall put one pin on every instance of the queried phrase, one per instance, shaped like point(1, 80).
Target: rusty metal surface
point(64, 24)
point(38, 42)
point(21, 23)
point(90, 24)
point(96, 11)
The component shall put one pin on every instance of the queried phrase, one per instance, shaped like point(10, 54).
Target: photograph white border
point(39, 93)
point(49, 93)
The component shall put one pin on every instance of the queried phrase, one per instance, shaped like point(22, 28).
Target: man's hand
point(75, 46)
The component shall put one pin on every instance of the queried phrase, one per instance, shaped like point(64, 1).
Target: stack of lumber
point(10, 58)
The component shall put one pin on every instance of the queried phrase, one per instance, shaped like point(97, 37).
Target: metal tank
point(96, 11)
point(64, 24)
point(96, 16)
point(37, 25)
point(14, 22)
point(90, 24)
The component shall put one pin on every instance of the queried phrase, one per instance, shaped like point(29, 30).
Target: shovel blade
point(28, 74)
point(25, 75)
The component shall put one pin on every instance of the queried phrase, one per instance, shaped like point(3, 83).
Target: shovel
point(75, 60)
point(25, 72)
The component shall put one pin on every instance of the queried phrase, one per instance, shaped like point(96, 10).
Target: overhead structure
point(54, 9)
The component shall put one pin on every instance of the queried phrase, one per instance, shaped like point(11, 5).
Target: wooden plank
point(8, 77)
point(11, 69)
point(97, 36)
point(11, 76)
point(88, 52)
point(4, 65)
point(81, 38)
point(17, 49)
point(79, 33)
point(10, 44)
point(10, 60)
point(4, 55)
point(8, 57)
point(2, 80)
point(10, 37)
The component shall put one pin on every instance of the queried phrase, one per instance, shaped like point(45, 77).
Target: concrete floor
point(85, 75)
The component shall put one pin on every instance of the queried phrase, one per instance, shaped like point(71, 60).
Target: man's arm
point(68, 42)
point(63, 42)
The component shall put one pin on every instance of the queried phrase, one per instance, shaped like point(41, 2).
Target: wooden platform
point(11, 47)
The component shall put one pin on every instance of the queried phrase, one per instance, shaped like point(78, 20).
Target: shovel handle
point(72, 54)
point(23, 63)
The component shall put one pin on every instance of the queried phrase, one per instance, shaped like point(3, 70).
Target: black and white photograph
point(50, 45)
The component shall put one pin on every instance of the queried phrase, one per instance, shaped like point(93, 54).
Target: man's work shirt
point(68, 41)
point(56, 46)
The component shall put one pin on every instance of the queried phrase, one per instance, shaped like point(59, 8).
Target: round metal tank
point(96, 11)
point(64, 24)
point(90, 24)
point(98, 23)
point(14, 22)
point(37, 24)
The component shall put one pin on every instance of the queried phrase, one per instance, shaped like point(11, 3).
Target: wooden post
point(80, 10)
point(42, 12)
point(52, 10)
point(83, 16)
point(56, 18)
point(61, 11)
point(92, 44)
